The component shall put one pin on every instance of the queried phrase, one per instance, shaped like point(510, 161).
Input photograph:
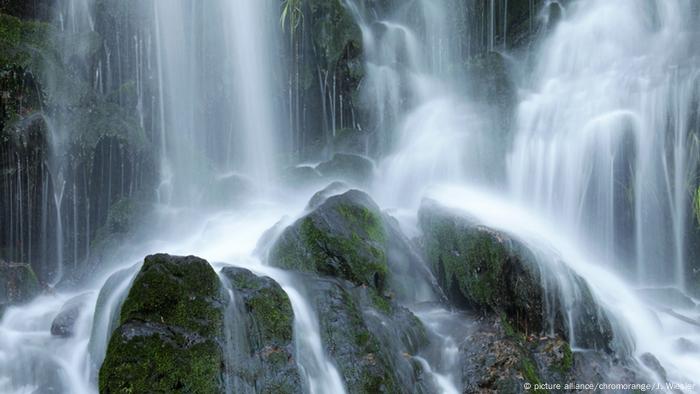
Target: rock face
point(17, 283)
point(344, 238)
point(496, 358)
point(262, 359)
point(170, 330)
point(325, 52)
point(491, 271)
point(370, 338)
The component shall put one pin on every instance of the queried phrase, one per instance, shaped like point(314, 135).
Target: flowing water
point(597, 168)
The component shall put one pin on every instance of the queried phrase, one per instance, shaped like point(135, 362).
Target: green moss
point(567, 361)
point(272, 310)
point(170, 327)
point(22, 41)
point(364, 218)
point(471, 258)
point(179, 294)
point(334, 30)
point(160, 363)
point(529, 371)
point(696, 206)
point(358, 257)
point(383, 304)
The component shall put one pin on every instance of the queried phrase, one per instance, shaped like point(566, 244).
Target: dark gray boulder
point(63, 324)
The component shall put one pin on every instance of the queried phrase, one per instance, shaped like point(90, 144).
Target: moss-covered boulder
point(260, 338)
point(492, 271)
point(372, 340)
point(482, 268)
point(170, 332)
point(344, 237)
point(348, 167)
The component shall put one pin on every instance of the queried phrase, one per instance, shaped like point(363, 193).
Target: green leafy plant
point(292, 15)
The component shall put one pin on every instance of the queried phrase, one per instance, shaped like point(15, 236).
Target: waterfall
point(215, 92)
point(604, 138)
point(581, 144)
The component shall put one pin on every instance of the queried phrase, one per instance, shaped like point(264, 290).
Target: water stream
point(595, 171)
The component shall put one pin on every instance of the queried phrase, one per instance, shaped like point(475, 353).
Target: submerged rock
point(225, 190)
point(170, 329)
point(63, 324)
point(349, 167)
point(18, 283)
point(264, 357)
point(490, 270)
point(301, 176)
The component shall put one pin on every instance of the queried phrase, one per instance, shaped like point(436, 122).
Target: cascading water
point(605, 135)
point(604, 124)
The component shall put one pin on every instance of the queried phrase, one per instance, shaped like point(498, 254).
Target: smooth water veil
point(456, 196)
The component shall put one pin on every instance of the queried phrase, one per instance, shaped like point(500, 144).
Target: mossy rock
point(334, 30)
point(482, 268)
point(492, 271)
point(344, 237)
point(267, 362)
point(18, 283)
point(171, 326)
point(21, 41)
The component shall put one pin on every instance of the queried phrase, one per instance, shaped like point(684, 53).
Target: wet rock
point(351, 141)
point(301, 176)
point(495, 359)
point(322, 195)
point(265, 360)
point(371, 340)
point(18, 283)
point(170, 330)
point(347, 236)
point(63, 324)
point(349, 167)
point(482, 268)
point(684, 345)
point(651, 362)
point(491, 271)
point(344, 237)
